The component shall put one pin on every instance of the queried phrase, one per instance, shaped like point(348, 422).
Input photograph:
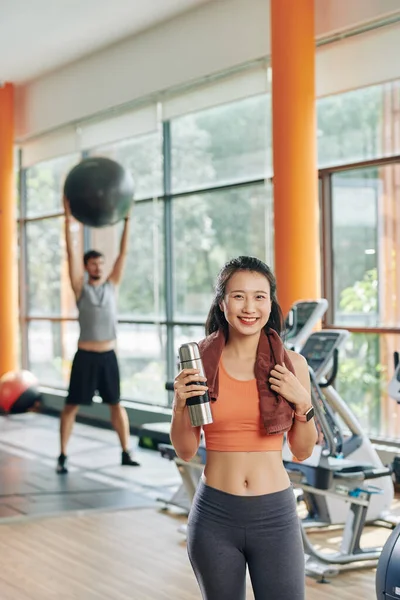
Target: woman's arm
point(302, 437)
point(185, 438)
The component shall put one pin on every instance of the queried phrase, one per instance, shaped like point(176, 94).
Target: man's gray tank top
point(97, 313)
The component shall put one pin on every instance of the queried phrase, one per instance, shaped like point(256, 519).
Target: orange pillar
point(8, 241)
point(294, 151)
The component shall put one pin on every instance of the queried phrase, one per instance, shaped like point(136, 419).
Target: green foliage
point(360, 374)
point(142, 156)
point(350, 126)
point(221, 145)
point(45, 239)
point(363, 296)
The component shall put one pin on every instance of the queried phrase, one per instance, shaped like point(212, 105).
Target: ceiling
point(37, 36)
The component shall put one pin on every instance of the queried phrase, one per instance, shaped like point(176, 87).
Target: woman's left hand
point(285, 383)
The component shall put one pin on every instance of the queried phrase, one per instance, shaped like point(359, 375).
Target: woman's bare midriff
point(246, 473)
point(105, 346)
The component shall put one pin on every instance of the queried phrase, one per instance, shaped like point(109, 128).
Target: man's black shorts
point(94, 372)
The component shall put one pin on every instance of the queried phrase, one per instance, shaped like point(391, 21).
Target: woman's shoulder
point(209, 340)
point(298, 361)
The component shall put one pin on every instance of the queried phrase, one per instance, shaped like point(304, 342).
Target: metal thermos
point(199, 406)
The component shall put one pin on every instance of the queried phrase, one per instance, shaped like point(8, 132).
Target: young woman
point(244, 510)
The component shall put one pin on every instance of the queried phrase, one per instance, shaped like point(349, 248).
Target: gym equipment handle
point(169, 385)
point(362, 475)
point(376, 473)
point(331, 379)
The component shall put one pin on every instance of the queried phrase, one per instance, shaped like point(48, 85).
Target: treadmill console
point(320, 347)
point(302, 318)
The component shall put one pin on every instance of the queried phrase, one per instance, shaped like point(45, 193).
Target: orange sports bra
point(237, 425)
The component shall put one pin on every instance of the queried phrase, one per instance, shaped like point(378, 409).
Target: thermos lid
point(188, 352)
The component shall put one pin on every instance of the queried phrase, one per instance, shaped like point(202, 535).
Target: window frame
point(167, 197)
point(326, 208)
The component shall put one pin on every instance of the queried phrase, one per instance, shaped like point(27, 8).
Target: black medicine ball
point(99, 191)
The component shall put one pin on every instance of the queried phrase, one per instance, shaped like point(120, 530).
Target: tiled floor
point(29, 485)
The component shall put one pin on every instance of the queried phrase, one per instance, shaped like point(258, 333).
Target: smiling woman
point(247, 301)
point(259, 391)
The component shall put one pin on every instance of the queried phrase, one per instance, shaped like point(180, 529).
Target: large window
point(203, 192)
point(44, 185)
point(206, 235)
point(366, 246)
point(177, 243)
point(366, 367)
point(141, 294)
point(359, 125)
point(142, 361)
point(143, 158)
point(49, 337)
point(221, 145)
point(362, 217)
point(52, 345)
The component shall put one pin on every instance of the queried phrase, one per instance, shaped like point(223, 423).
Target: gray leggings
point(227, 532)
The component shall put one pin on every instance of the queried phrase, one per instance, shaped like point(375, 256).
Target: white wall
point(358, 61)
point(218, 36)
point(332, 16)
point(196, 44)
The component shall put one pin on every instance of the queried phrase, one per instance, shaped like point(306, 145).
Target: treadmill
point(321, 352)
point(301, 320)
point(330, 475)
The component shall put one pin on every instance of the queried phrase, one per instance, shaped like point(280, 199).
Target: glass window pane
point(141, 291)
point(51, 347)
point(359, 125)
point(226, 144)
point(142, 360)
point(49, 289)
point(355, 248)
point(187, 333)
point(365, 369)
point(366, 246)
point(206, 235)
point(44, 185)
point(142, 155)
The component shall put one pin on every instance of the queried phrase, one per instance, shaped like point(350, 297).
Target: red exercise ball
point(18, 392)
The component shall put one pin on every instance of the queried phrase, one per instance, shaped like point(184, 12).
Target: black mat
point(29, 488)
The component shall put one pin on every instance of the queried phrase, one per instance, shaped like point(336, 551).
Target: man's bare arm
point(118, 268)
point(75, 263)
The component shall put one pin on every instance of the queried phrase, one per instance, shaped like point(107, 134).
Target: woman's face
point(247, 302)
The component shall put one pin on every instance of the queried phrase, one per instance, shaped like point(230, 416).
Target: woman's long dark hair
point(216, 319)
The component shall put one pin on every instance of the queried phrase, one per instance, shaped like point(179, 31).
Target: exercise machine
point(190, 473)
point(329, 478)
point(387, 580)
point(302, 318)
point(344, 480)
point(342, 433)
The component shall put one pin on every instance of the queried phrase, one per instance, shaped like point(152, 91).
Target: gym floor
point(29, 486)
point(99, 532)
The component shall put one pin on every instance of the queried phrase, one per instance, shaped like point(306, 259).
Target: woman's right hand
point(186, 385)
